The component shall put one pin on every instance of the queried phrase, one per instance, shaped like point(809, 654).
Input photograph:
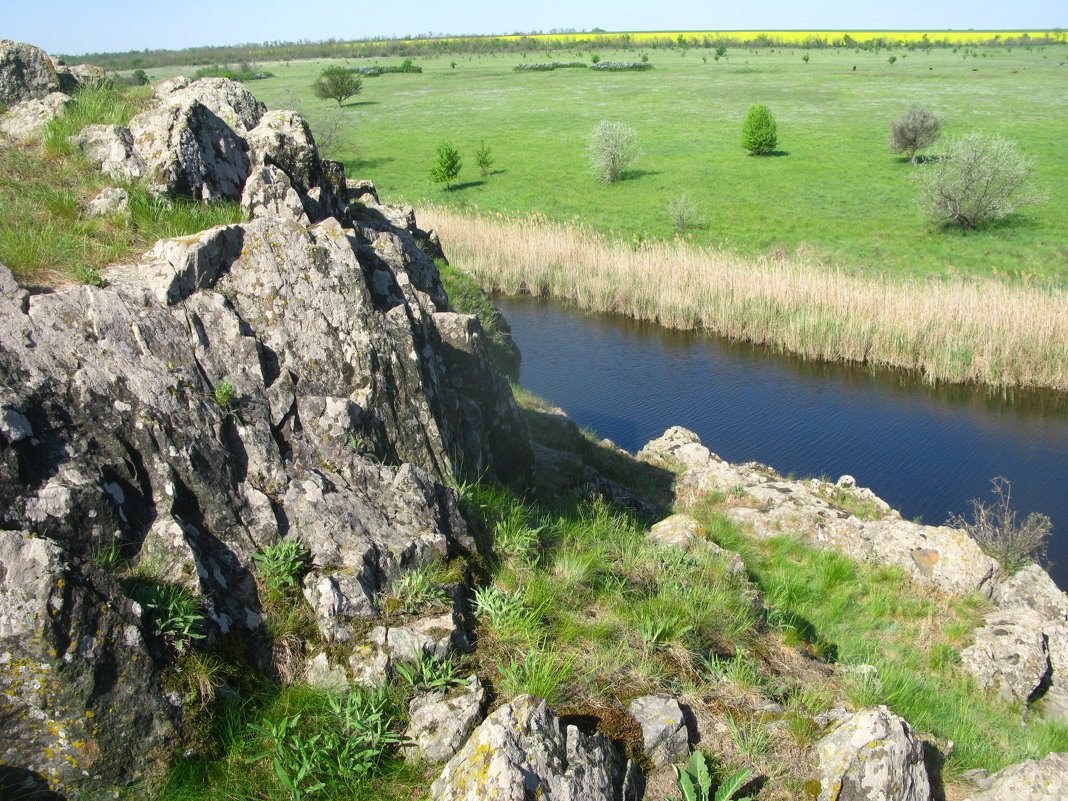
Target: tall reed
point(991, 332)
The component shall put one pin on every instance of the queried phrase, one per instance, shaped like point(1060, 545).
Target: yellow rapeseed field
point(830, 38)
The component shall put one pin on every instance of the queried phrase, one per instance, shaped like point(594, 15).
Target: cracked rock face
point(663, 728)
point(26, 121)
point(873, 756)
point(1009, 655)
point(25, 72)
point(1034, 780)
point(439, 723)
point(522, 752)
point(341, 433)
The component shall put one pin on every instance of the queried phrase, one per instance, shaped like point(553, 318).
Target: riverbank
point(995, 333)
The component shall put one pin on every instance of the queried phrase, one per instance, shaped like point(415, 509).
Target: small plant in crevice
point(279, 564)
point(414, 590)
point(89, 275)
point(224, 394)
point(427, 674)
point(174, 612)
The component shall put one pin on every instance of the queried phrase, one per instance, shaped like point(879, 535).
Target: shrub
point(337, 83)
point(447, 165)
point(611, 147)
point(978, 179)
point(622, 66)
point(683, 214)
point(995, 528)
point(759, 135)
point(916, 129)
point(484, 158)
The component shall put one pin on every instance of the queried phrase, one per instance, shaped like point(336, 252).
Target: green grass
point(46, 237)
point(838, 195)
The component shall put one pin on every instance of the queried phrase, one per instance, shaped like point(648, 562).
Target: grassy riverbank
point(982, 331)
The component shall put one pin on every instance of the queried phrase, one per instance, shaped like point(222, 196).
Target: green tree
point(337, 83)
point(759, 135)
point(446, 165)
point(484, 158)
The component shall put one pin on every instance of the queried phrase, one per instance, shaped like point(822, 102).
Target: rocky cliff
point(300, 375)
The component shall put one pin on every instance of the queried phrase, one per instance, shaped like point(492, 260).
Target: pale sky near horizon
point(81, 26)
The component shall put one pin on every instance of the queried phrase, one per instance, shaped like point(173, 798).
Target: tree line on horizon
point(442, 45)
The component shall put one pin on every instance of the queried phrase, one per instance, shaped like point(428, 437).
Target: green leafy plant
point(447, 165)
point(173, 610)
point(280, 564)
point(417, 589)
point(759, 132)
point(89, 275)
point(695, 782)
point(503, 609)
point(224, 394)
point(428, 673)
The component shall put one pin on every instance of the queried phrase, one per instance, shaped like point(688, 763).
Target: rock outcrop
point(522, 752)
point(439, 723)
point(25, 122)
point(874, 756)
point(819, 511)
point(253, 381)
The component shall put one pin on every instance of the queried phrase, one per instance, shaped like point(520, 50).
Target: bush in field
point(759, 135)
point(977, 179)
point(916, 129)
point(994, 527)
point(337, 83)
point(612, 146)
point(447, 165)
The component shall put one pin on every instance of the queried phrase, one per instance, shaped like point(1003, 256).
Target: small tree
point(978, 179)
point(446, 165)
point(611, 147)
point(759, 134)
point(916, 129)
point(484, 158)
point(337, 83)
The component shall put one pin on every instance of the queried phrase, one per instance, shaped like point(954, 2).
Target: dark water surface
point(926, 451)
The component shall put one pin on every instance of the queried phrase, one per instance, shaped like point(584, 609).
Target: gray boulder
point(663, 728)
point(874, 756)
point(388, 646)
point(1032, 588)
point(110, 148)
point(1033, 780)
point(26, 121)
point(522, 752)
point(283, 139)
point(439, 723)
point(1009, 654)
point(269, 193)
point(26, 72)
point(110, 200)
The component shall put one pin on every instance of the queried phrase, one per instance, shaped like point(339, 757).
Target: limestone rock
point(1034, 780)
point(522, 752)
point(229, 100)
point(1032, 588)
point(26, 121)
point(110, 148)
point(943, 557)
point(322, 675)
point(1009, 654)
point(110, 200)
point(678, 531)
point(388, 646)
point(79, 687)
point(268, 193)
point(663, 728)
point(26, 72)
point(283, 139)
point(439, 723)
point(874, 756)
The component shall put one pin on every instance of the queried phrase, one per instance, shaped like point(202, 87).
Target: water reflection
point(926, 450)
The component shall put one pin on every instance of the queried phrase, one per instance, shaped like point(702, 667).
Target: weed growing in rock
point(1015, 545)
point(280, 564)
point(428, 673)
point(174, 611)
point(417, 589)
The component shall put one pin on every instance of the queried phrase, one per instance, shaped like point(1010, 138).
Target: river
point(926, 450)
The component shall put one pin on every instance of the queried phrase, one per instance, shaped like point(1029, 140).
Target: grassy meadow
point(834, 194)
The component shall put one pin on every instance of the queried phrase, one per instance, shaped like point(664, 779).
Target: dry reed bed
point(979, 331)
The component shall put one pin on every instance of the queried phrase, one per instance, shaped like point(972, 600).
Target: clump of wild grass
point(995, 528)
point(982, 331)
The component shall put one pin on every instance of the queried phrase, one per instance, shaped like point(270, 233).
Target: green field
point(838, 194)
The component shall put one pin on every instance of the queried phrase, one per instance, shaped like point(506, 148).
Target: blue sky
point(79, 26)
